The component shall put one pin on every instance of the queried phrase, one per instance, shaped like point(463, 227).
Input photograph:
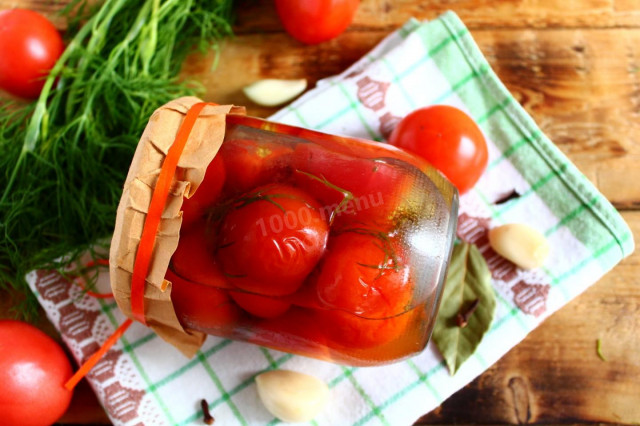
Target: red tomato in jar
point(354, 332)
point(315, 21)
point(208, 193)
point(448, 139)
point(33, 371)
point(29, 47)
point(376, 186)
point(364, 274)
point(202, 307)
point(250, 164)
point(194, 258)
point(355, 147)
point(271, 239)
point(299, 331)
point(260, 306)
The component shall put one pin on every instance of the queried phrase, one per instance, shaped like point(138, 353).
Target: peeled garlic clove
point(272, 92)
point(292, 396)
point(521, 244)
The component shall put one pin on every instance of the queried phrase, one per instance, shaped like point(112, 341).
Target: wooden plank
point(555, 374)
point(581, 86)
point(583, 89)
point(248, 58)
point(259, 16)
point(49, 8)
point(619, 179)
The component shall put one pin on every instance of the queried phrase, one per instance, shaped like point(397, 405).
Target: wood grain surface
point(575, 66)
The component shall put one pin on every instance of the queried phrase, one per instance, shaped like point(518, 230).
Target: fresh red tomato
point(448, 139)
point(376, 186)
point(260, 306)
point(272, 239)
point(207, 194)
point(249, 163)
point(194, 257)
point(29, 47)
point(202, 307)
point(33, 371)
point(315, 21)
point(364, 274)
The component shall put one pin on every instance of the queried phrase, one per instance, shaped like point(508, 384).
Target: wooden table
point(575, 66)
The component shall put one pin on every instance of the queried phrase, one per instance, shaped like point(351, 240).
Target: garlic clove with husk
point(291, 396)
point(521, 244)
point(272, 92)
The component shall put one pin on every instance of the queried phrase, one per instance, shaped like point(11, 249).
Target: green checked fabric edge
point(514, 116)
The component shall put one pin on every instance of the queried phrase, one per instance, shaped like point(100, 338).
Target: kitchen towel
point(143, 380)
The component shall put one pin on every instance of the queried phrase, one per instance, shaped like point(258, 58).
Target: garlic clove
point(521, 244)
point(291, 396)
point(272, 92)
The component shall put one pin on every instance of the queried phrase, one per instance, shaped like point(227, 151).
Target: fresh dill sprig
point(64, 158)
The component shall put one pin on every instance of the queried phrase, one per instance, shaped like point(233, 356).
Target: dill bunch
point(64, 158)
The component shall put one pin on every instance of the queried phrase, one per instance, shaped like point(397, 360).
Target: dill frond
point(65, 157)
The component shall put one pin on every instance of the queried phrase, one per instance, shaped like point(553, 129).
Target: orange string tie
point(156, 207)
point(147, 240)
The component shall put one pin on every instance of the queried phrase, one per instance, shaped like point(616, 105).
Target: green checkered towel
point(144, 380)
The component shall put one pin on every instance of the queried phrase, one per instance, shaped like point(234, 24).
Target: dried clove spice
point(462, 319)
point(507, 197)
point(208, 418)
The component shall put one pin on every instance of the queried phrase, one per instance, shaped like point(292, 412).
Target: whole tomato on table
point(33, 371)
point(315, 21)
point(447, 138)
point(29, 47)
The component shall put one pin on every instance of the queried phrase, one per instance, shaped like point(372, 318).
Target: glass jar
point(324, 246)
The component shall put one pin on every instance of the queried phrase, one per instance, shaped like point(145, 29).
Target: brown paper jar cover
point(201, 147)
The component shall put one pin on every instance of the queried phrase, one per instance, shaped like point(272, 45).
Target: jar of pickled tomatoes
point(318, 245)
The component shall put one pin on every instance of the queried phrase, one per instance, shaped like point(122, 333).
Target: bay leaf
point(468, 279)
